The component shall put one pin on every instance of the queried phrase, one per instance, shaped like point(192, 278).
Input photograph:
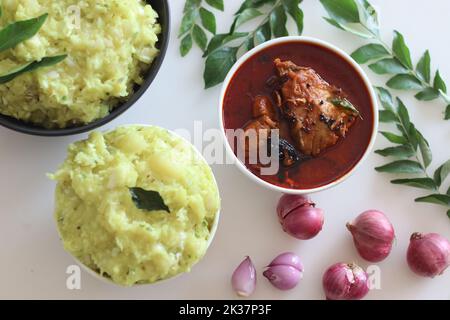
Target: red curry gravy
point(250, 80)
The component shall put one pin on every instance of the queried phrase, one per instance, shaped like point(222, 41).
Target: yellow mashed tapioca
point(104, 229)
point(109, 43)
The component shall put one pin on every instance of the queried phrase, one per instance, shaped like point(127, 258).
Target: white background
point(33, 263)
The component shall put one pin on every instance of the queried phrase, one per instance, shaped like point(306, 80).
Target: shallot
point(299, 217)
point(373, 235)
point(285, 271)
point(344, 281)
point(428, 254)
point(243, 280)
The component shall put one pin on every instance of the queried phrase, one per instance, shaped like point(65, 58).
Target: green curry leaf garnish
point(17, 32)
point(148, 200)
point(45, 62)
point(345, 104)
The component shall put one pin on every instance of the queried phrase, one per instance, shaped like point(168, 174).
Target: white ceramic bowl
point(210, 239)
point(332, 48)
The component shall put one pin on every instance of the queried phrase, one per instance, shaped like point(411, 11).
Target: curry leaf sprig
point(271, 16)
point(190, 31)
point(412, 153)
point(360, 18)
point(17, 32)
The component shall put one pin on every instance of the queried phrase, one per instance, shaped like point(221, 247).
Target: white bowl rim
point(212, 233)
point(339, 52)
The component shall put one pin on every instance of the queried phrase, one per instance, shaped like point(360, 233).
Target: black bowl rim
point(27, 128)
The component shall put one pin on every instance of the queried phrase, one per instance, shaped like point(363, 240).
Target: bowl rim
point(343, 55)
point(212, 232)
point(34, 130)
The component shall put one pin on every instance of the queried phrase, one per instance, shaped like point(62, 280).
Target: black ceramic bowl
point(160, 6)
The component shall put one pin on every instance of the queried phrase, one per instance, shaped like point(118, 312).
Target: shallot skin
point(373, 235)
point(428, 255)
point(344, 281)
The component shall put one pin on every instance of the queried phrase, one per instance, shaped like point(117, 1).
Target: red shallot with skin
point(344, 281)
point(243, 280)
point(373, 235)
point(285, 271)
point(428, 254)
point(299, 216)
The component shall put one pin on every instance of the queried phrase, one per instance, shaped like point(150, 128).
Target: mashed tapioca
point(109, 43)
point(101, 225)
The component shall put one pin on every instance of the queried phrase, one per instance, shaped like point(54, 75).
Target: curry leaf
point(342, 15)
point(221, 39)
point(442, 173)
point(194, 15)
point(218, 4)
point(439, 83)
point(217, 65)
point(401, 166)
point(186, 45)
point(292, 7)
point(369, 52)
point(334, 23)
point(148, 200)
point(200, 37)
point(440, 199)
point(252, 4)
point(387, 116)
point(425, 150)
point(388, 66)
point(191, 5)
point(403, 152)
point(243, 17)
point(19, 31)
point(343, 11)
point(401, 50)
point(263, 33)
point(370, 17)
point(422, 183)
point(278, 20)
point(424, 67)
point(249, 43)
point(427, 94)
point(413, 136)
point(272, 16)
point(403, 114)
point(45, 62)
point(385, 98)
point(409, 143)
point(208, 20)
point(404, 82)
point(187, 22)
point(394, 138)
point(344, 103)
